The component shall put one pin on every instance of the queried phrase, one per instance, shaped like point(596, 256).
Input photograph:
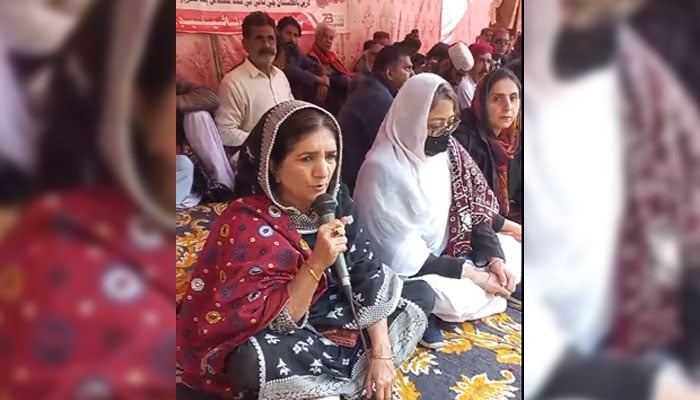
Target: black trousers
point(240, 363)
point(689, 348)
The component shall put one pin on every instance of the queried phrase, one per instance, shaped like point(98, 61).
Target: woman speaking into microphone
point(265, 313)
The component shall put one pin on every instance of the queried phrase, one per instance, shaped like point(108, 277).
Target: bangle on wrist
point(373, 357)
point(313, 274)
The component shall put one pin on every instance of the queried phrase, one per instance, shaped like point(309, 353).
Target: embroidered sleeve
point(284, 323)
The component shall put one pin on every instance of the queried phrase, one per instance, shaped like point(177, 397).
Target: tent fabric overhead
point(203, 58)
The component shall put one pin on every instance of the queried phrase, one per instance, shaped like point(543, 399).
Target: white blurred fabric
point(203, 136)
point(37, 26)
point(17, 136)
point(573, 200)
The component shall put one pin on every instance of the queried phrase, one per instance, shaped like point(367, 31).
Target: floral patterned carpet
point(481, 361)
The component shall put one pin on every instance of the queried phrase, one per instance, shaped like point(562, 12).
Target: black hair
point(68, 151)
point(180, 137)
point(295, 128)
point(412, 43)
point(517, 67)
point(368, 44)
point(418, 60)
point(291, 131)
point(286, 21)
point(439, 52)
point(256, 19)
point(387, 57)
point(379, 35)
point(157, 70)
point(518, 48)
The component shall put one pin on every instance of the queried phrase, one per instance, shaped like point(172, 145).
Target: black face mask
point(578, 52)
point(436, 145)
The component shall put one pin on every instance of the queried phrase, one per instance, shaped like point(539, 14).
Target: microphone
point(324, 206)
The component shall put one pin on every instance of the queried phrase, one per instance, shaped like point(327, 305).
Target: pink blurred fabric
point(197, 53)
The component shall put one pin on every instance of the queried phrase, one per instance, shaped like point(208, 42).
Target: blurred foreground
point(87, 168)
point(612, 200)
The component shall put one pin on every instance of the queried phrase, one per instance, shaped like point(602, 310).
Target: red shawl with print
point(663, 178)
point(238, 288)
point(472, 200)
point(86, 291)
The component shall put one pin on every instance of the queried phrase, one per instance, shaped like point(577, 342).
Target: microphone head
point(324, 204)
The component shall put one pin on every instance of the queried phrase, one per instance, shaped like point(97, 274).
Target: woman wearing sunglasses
point(430, 210)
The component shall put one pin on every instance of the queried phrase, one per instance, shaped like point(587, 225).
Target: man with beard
point(482, 65)
point(456, 65)
point(254, 86)
point(305, 75)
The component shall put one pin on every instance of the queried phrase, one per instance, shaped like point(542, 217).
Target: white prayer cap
point(461, 57)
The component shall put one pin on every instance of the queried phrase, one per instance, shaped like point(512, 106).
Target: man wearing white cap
point(454, 68)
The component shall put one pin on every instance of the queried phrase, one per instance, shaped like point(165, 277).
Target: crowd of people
point(424, 144)
point(87, 225)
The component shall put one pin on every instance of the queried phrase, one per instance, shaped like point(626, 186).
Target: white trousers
point(204, 138)
point(460, 300)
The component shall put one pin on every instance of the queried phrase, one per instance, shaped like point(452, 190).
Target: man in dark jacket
point(304, 74)
point(366, 107)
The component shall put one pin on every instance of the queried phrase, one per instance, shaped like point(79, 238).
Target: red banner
point(226, 17)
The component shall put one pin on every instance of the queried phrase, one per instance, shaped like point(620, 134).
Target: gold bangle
point(316, 277)
point(381, 358)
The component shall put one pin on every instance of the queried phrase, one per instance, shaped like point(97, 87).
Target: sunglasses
point(500, 42)
point(440, 130)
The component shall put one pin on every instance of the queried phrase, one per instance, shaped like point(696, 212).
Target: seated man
point(370, 49)
point(366, 107)
point(481, 53)
point(363, 66)
point(384, 38)
point(305, 75)
point(339, 75)
point(501, 47)
point(420, 63)
point(436, 53)
point(254, 86)
point(412, 42)
point(199, 137)
point(456, 65)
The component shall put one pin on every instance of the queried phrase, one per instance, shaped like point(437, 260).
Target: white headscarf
point(395, 204)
